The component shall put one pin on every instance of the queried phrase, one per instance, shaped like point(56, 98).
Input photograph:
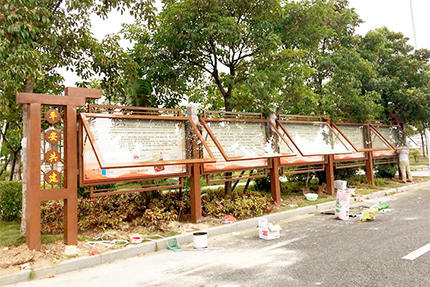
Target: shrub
point(386, 170)
point(10, 200)
point(262, 184)
point(345, 173)
point(241, 205)
point(415, 154)
point(119, 211)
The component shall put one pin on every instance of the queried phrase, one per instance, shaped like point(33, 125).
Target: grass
point(10, 234)
point(416, 160)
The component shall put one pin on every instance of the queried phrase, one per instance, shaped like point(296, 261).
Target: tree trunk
point(12, 167)
point(228, 184)
point(17, 168)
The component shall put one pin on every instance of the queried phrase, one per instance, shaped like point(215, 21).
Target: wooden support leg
point(33, 222)
point(71, 221)
point(275, 185)
point(71, 202)
point(195, 189)
point(369, 169)
point(33, 178)
point(329, 171)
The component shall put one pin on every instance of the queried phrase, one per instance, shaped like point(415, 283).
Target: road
point(315, 250)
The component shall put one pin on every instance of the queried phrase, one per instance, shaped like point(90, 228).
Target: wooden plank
point(33, 177)
point(275, 185)
point(71, 168)
point(84, 93)
point(330, 174)
point(195, 189)
point(31, 98)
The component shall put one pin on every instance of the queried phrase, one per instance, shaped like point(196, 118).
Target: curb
point(153, 246)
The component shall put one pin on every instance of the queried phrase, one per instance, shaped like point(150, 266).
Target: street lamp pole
point(413, 24)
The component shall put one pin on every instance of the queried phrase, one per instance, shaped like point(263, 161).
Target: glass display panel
point(355, 134)
point(393, 135)
point(94, 173)
point(121, 142)
point(316, 139)
point(242, 140)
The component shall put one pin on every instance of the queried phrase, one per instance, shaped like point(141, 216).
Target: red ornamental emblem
point(52, 116)
point(52, 136)
point(53, 177)
point(52, 156)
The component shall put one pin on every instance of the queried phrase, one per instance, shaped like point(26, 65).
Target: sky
point(394, 14)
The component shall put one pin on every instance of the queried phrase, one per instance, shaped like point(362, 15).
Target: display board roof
point(124, 141)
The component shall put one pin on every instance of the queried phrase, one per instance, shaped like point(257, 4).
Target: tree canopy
point(273, 56)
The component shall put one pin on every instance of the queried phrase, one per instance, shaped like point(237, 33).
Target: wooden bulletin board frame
point(104, 165)
point(259, 119)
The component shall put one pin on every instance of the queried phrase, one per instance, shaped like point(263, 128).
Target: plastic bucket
point(200, 240)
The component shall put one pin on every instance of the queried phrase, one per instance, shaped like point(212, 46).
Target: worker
point(404, 164)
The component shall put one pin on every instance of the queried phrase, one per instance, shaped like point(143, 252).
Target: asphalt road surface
point(314, 250)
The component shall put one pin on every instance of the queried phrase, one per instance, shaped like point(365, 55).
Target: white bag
point(343, 203)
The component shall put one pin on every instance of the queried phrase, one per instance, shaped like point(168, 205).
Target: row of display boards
point(110, 150)
point(131, 144)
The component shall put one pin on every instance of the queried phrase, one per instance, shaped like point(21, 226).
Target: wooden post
point(329, 171)
point(33, 177)
point(275, 185)
point(195, 189)
point(369, 168)
point(369, 159)
point(195, 186)
point(65, 189)
point(71, 202)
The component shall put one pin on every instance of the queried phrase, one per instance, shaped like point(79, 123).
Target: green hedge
point(10, 200)
point(386, 170)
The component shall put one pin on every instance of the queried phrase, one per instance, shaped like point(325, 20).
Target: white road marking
point(417, 253)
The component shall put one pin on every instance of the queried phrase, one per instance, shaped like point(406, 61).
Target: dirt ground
point(15, 258)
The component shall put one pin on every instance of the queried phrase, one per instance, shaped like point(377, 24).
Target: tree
point(402, 76)
point(214, 42)
point(37, 38)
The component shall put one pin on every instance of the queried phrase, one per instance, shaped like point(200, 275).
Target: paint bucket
point(200, 240)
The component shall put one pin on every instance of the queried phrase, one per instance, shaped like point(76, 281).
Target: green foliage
point(345, 173)
point(262, 184)
point(402, 76)
point(37, 38)
point(10, 233)
point(386, 170)
point(240, 205)
point(118, 212)
point(414, 154)
point(10, 200)
point(212, 44)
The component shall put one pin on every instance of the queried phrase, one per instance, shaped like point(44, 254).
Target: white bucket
point(200, 240)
